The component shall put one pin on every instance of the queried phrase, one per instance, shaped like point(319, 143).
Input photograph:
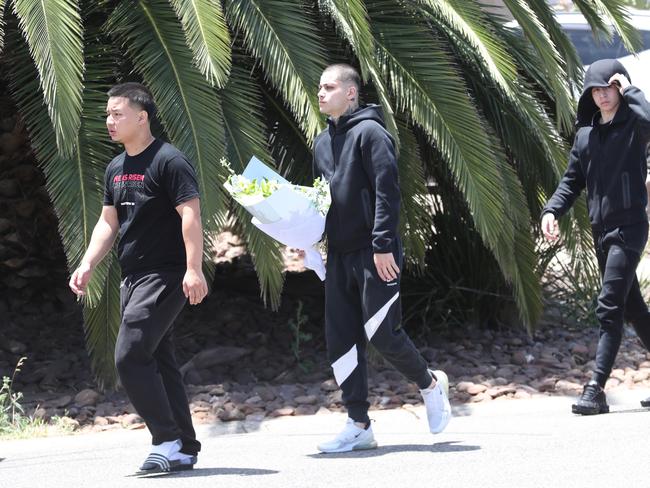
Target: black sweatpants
point(618, 252)
point(145, 358)
point(360, 307)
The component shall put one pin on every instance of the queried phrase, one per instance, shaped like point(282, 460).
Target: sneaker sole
point(589, 411)
point(358, 447)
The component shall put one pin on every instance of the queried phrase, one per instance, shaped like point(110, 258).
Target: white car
point(589, 49)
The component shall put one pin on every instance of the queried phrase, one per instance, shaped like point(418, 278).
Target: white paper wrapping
point(287, 215)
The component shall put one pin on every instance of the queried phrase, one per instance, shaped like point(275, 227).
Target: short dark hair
point(137, 94)
point(346, 73)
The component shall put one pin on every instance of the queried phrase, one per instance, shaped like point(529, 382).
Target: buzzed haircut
point(346, 74)
point(137, 94)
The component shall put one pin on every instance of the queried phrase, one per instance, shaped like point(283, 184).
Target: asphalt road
point(509, 443)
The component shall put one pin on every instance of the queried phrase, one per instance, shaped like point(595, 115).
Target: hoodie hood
point(597, 75)
point(364, 112)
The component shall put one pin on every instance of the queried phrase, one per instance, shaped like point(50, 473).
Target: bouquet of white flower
point(293, 215)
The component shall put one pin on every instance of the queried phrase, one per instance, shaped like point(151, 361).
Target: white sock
point(168, 449)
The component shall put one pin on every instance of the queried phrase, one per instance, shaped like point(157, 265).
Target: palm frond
point(551, 62)
point(559, 38)
point(351, 18)
point(245, 130)
point(522, 98)
point(515, 250)
point(2, 24)
point(101, 325)
point(267, 258)
point(244, 120)
point(466, 22)
point(428, 87)
point(416, 223)
point(53, 32)
point(283, 38)
point(75, 183)
point(598, 12)
point(208, 36)
point(289, 147)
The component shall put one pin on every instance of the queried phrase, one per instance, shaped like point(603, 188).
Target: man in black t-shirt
point(151, 201)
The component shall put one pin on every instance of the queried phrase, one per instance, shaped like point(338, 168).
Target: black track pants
point(360, 307)
point(618, 252)
point(145, 359)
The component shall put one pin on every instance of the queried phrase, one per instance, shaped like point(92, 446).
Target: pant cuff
point(424, 379)
point(359, 415)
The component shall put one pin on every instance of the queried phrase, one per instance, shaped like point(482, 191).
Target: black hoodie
point(609, 159)
point(357, 156)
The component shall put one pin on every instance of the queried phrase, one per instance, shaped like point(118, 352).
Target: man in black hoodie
point(609, 159)
point(357, 156)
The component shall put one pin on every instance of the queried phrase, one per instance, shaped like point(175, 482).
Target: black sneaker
point(646, 403)
point(592, 401)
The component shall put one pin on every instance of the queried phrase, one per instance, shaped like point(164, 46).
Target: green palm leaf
point(2, 24)
point(598, 12)
point(514, 94)
point(75, 184)
point(245, 130)
point(559, 38)
point(551, 61)
point(208, 37)
point(53, 32)
point(102, 323)
point(352, 20)
point(283, 37)
point(467, 22)
point(244, 120)
point(289, 147)
point(416, 223)
point(428, 87)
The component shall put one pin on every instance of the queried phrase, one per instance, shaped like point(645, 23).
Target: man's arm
point(571, 185)
point(101, 242)
point(635, 99)
point(380, 163)
point(195, 286)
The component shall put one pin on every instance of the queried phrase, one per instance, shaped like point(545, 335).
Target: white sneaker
point(436, 400)
point(352, 438)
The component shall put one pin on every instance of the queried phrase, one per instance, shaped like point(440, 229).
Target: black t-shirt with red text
point(145, 189)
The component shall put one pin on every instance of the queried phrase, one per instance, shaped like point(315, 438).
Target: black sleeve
point(380, 163)
point(637, 102)
point(315, 172)
point(179, 180)
point(571, 184)
point(108, 187)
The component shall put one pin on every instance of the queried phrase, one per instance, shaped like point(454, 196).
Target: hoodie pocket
point(625, 182)
point(367, 208)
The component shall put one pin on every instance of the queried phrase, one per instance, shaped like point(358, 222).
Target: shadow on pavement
point(199, 472)
point(450, 446)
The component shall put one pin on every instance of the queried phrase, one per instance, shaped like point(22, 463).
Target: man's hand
point(386, 266)
point(620, 80)
point(80, 279)
point(550, 227)
point(195, 287)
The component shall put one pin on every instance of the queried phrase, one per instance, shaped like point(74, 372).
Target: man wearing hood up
point(609, 159)
point(356, 154)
